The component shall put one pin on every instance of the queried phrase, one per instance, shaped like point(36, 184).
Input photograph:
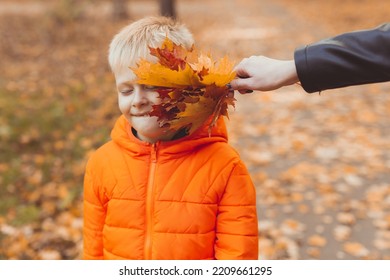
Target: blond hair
point(134, 40)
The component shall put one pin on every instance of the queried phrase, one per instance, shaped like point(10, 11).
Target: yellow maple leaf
point(155, 74)
point(221, 74)
point(202, 62)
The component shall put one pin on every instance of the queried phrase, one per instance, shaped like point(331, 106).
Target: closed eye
point(155, 88)
point(126, 92)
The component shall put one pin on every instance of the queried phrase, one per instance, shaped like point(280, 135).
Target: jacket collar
point(122, 135)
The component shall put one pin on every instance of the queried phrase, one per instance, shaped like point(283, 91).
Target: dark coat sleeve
point(354, 58)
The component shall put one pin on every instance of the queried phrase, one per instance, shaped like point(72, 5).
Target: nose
point(139, 97)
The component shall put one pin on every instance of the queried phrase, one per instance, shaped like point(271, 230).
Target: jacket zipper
point(149, 203)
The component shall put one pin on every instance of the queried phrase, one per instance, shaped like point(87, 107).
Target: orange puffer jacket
point(190, 198)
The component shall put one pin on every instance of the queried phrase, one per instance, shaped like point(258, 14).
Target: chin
point(147, 128)
point(147, 123)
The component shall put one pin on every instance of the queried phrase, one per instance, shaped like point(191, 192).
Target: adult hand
point(264, 74)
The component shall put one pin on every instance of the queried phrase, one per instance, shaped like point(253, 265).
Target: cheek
point(154, 98)
point(124, 103)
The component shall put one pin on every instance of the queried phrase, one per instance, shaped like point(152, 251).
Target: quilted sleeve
point(94, 216)
point(237, 225)
point(352, 58)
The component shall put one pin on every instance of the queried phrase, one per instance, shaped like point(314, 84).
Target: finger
point(241, 73)
point(240, 84)
point(235, 84)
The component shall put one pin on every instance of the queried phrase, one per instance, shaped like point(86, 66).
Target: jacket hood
point(122, 135)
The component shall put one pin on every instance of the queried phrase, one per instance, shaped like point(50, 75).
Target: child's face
point(136, 102)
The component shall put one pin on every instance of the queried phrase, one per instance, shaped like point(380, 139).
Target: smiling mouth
point(140, 115)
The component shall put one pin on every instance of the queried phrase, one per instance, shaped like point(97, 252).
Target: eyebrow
point(125, 84)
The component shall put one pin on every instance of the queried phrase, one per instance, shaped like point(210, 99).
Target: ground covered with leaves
point(320, 163)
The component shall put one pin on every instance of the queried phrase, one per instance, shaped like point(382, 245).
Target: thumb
point(241, 85)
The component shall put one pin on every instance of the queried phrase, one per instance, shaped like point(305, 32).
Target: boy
point(153, 193)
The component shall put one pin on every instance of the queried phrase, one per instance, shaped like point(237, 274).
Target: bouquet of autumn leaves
point(192, 86)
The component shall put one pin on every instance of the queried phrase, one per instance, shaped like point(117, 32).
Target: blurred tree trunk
point(119, 9)
point(167, 8)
